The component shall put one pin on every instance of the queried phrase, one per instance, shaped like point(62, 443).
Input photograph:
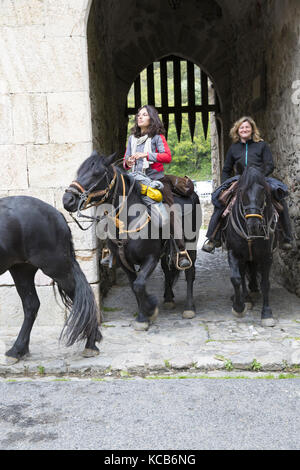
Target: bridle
point(86, 196)
point(268, 225)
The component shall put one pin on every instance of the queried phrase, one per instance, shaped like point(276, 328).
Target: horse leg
point(267, 318)
point(23, 276)
point(246, 296)
point(141, 322)
point(189, 310)
point(148, 309)
point(170, 276)
point(238, 305)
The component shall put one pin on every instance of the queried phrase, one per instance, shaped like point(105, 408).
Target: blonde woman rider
point(249, 149)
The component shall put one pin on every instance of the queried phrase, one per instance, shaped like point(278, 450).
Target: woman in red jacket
point(146, 152)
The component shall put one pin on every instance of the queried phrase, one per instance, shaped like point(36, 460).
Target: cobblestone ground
point(213, 340)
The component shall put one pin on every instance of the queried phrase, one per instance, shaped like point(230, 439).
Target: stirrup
point(107, 258)
point(188, 259)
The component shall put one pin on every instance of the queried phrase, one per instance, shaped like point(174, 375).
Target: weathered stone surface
point(6, 125)
point(88, 260)
point(13, 165)
point(31, 63)
point(55, 165)
point(30, 118)
point(69, 118)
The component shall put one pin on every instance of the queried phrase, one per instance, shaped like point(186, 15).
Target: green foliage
point(189, 158)
point(256, 366)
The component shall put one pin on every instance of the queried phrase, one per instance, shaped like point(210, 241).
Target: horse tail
point(84, 317)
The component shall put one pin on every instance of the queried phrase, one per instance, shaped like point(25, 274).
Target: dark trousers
point(175, 218)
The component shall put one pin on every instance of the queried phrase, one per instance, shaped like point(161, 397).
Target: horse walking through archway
point(98, 182)
point(34, 235)
point(250, 236)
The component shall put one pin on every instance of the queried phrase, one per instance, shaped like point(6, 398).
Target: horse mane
point(249, 177)
point(128, 181)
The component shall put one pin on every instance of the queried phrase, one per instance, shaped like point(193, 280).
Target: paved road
point(150, 414)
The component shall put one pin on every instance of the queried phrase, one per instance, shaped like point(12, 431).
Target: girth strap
point(121, 244)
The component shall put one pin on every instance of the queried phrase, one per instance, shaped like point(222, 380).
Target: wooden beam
point(150, 85)
point(191, 97)
point(164, 93)
point(204, 102)
point(177, 96)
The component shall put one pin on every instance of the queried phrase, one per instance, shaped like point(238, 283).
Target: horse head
point(95, 177)
point(254, 196)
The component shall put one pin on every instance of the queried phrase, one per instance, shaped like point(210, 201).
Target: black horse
point(34, 235)
point(101, 183)
point(250, 238)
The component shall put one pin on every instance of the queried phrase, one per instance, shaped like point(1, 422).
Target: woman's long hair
point(156, 126)
point(255, 131)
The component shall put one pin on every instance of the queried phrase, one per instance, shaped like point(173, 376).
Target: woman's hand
point(139, 155)
point(130, 161)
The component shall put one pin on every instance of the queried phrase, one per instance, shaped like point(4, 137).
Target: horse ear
point(109, 160)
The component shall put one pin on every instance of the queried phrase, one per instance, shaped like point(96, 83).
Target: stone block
point(88, 261)
point(22, 12)
point(30, 118)
point(55, 165)
point(83, 240)
point(13, 166)
point(47, 195)
point(69, 117)
point(6, 127)
point(11, 311)
point(31, 63)
point(65, 18)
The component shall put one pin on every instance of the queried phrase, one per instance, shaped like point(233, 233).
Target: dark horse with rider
point(100, 181)
point(250, 215)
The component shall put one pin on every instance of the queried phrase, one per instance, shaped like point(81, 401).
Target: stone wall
point(45, 123)
point(275, 52)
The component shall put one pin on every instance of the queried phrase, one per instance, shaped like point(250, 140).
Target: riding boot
point(284, 220)
point(213, 233)
point(183, 260)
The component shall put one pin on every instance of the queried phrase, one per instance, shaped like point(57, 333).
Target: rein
point(268, 227)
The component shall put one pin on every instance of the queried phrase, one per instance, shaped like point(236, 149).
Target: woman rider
point(249, 149)
point(147, 151)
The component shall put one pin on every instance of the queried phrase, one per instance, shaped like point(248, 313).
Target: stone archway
point(124, 38)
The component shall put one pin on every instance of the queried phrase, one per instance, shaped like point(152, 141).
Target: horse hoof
point(188, 314)
point(10, 361)
point(155, 314)
point(141, 326)
point(90, 352)
point(269, 322)
point(239, 314)
point(169, 305)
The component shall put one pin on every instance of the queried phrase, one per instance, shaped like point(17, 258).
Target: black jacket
point(259, 155)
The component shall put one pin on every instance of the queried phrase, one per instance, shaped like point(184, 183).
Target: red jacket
point(159, 155)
